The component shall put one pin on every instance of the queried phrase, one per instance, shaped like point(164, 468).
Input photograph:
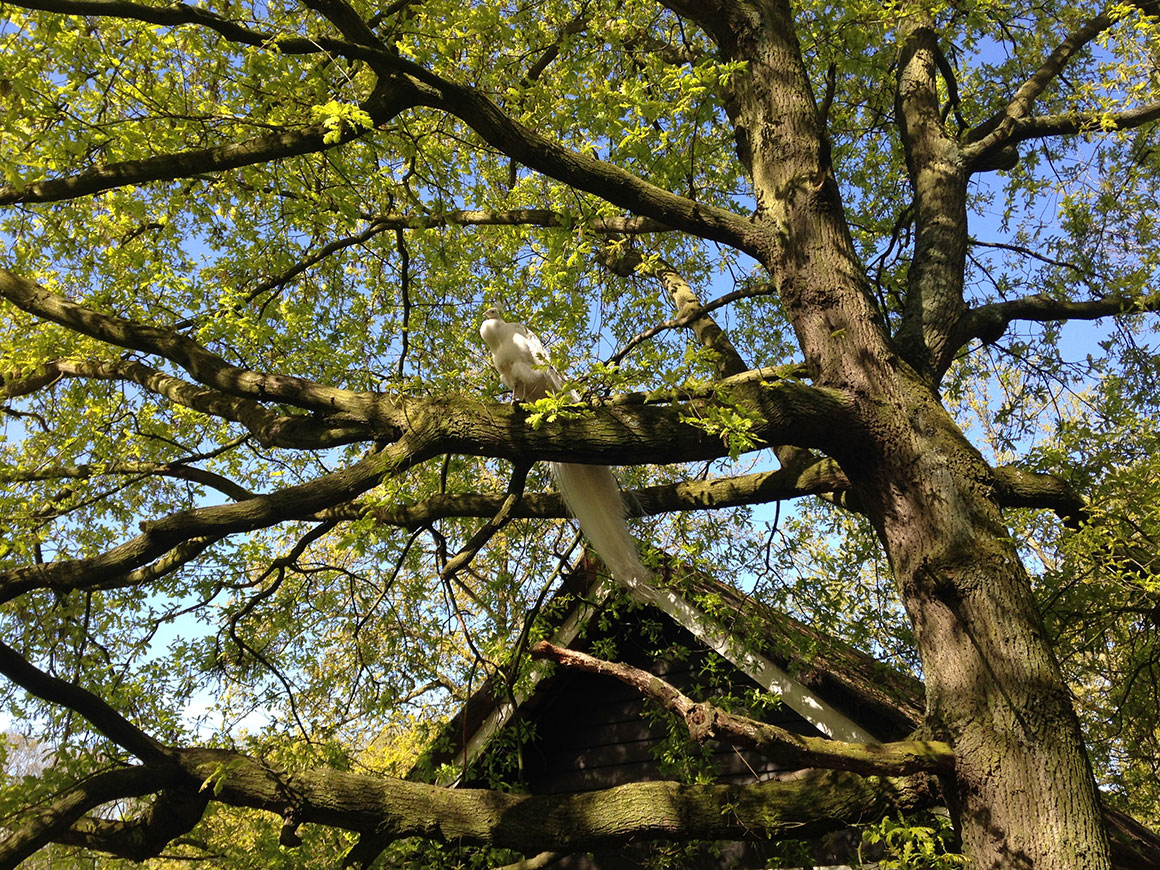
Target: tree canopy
point(860, 301)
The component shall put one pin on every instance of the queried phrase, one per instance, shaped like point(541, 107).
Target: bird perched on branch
point(590, 491)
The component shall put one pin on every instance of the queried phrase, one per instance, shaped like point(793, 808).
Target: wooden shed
point(561, 730)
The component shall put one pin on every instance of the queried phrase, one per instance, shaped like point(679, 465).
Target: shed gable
point(589, 732)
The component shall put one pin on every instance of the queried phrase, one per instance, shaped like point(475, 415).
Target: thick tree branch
point(293, 431)
point(720, 18)
point(610, 182)
point(706, 721)
point(1030, 90)
point(349, 23)
point(760, 488)
point(820, 801)
point(691, 315)
point(689, 308)
point(989, 322)
point(177, 14)
point(934, 292)
point(13, 385)
point(577, 25)
point(176, 532)
point(1069, 124)
point(271, 429)
point(625, 434)
point(111, 570)
point(184, 164)
point(1016, 488)
point(1013, 488)
point(173, 814)
point(916, 95)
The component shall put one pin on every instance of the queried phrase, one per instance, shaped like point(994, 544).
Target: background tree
point(256, 470)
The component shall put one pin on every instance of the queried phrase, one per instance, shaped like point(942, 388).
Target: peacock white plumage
point(590, 491)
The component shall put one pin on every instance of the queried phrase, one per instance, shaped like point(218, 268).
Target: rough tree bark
point(1023, 784)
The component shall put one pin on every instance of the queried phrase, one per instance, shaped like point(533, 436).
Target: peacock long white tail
point(593, 496)
point(589, 491)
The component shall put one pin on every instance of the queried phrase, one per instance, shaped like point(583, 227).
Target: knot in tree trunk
point(702, 721)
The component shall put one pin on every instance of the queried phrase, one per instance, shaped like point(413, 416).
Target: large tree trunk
point(1023, 787)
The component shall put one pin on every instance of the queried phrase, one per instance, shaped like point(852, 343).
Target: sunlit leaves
point(311, 643)
point(336, 117)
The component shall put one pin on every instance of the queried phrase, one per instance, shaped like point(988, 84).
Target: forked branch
point(205, 367)
point(1001, 128)
point(173, 813)
point(35, 828)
